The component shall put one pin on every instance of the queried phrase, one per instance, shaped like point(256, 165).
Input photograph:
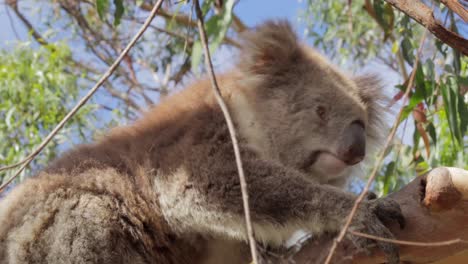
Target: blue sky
point(255, 11)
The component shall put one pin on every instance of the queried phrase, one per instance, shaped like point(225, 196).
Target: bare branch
point(12, 24)
point(38, 37)
point(124, 97)
point(232, 131)
point(424, 16)
point(411, 243)
point(83, 100)
point(186, 66)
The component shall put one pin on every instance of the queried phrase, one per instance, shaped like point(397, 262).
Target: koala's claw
point(370, 195)
point(372, 219)
point(387, 210)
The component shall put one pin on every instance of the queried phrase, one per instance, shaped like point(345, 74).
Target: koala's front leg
point(282, 201)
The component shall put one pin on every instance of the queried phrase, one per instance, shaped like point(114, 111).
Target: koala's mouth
point(324, 162)
point(310, 161)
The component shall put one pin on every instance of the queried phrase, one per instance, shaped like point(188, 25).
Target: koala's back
point(93, 217)
point(98, 204)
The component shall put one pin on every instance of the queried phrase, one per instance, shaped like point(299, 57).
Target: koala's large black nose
point(352, 148)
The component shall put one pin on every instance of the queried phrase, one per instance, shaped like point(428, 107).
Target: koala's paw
point(370, 195)
point(372, 218)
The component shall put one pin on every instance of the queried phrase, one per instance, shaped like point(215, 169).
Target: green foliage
point(102, 7)
point(36, 93)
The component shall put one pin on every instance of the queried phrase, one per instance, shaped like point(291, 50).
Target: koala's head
point(313, 117)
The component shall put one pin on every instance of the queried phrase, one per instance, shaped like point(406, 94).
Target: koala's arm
point(281, 200)
point(204, 196)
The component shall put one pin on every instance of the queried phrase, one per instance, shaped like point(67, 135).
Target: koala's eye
point(321, 112)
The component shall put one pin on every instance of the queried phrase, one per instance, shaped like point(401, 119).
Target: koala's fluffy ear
point(269, 48)
point(371, 91)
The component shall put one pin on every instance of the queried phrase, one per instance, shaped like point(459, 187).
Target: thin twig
point(12, 24)
point(186, 20)
point(411, 243)
point(350, 17)
point(31, 30)
point(226, 40)
point(83, 100)
point(232, 131)
point(380, 158)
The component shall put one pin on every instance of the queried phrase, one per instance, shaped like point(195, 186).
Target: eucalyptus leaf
point(119, 11)
point(102, 6)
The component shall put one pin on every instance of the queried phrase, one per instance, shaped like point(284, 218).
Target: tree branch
point(456, 7)
point(124, 97)
point(424, 16)
point(435, 206)
point(38, 37)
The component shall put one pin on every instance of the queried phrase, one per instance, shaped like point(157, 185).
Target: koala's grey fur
point(166, 190)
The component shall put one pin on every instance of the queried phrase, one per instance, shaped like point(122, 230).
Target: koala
point(165, 189)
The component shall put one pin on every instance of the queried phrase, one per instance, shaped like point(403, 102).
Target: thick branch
point(424, 16)
point(456, 7)
point(436, 209)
